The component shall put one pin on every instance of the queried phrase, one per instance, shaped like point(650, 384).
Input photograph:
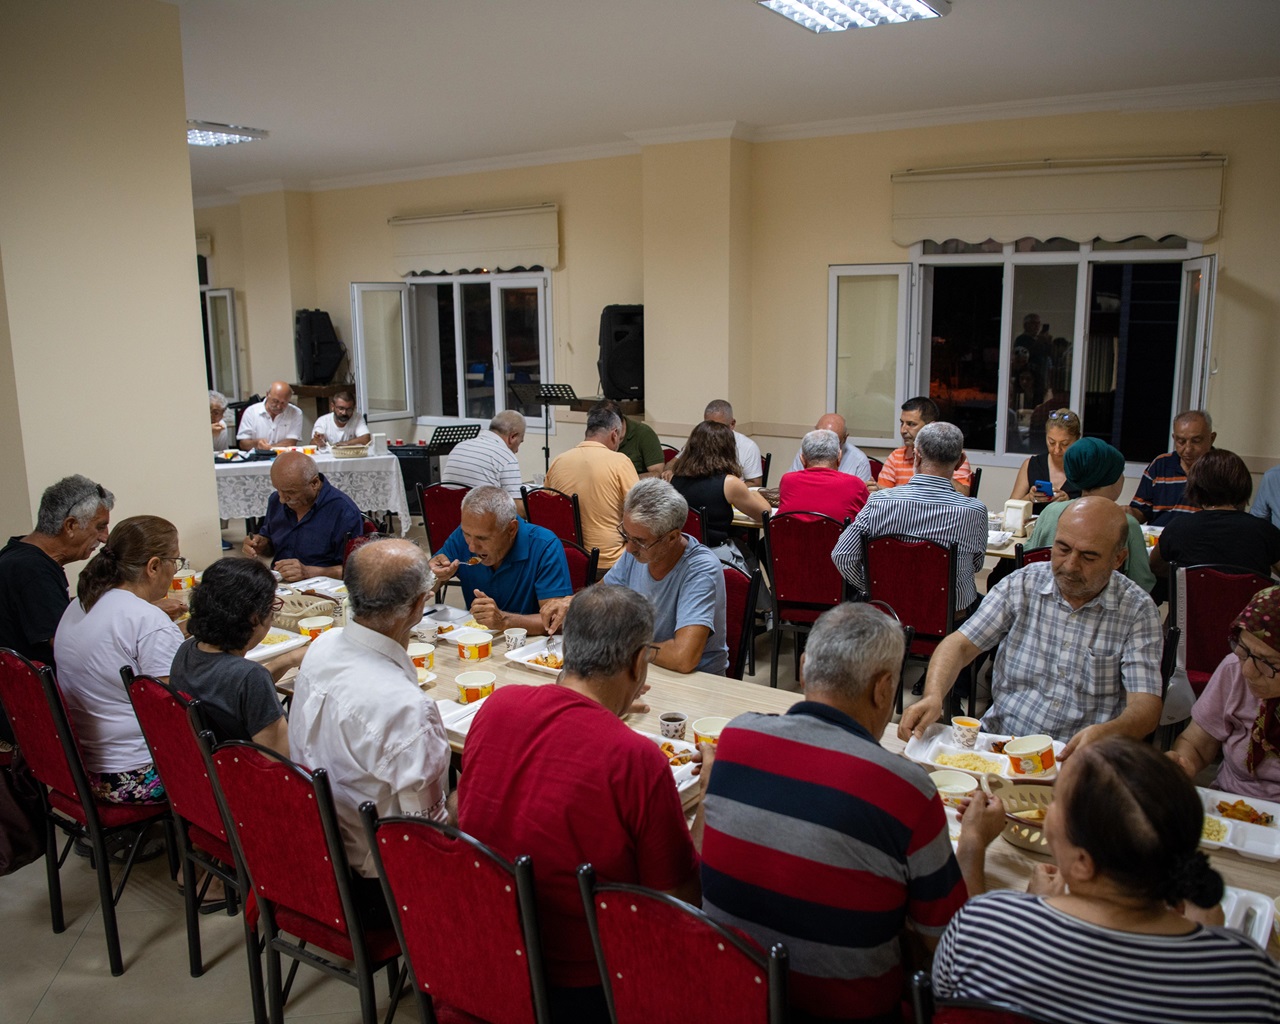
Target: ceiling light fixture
point(838, 15)
point(210, 133)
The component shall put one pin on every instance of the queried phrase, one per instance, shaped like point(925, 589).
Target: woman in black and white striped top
point(1101, 938)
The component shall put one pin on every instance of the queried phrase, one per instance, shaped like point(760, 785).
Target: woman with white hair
point(217, 410)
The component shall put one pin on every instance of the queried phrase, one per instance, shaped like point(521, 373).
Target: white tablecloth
point(374, 483)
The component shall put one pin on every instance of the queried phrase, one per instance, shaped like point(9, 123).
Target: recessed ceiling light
point(210, 133)
point(838, 15)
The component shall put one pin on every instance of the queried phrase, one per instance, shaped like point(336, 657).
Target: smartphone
point(1044, 486)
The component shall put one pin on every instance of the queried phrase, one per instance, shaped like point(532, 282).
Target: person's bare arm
point(1158, 565)
point(948, 661)
point(257, 544)
point(281, 663)
point(654, 470)
point(552, 612)
point(751, 503)
point(1022, 483)
point(355, 442)
point(291, 570)
point(485, 611)
point(288, 442)
point(981, 822)
point(684, 650)
point(1139, 718)
point(275, 736)
point(1194, 750)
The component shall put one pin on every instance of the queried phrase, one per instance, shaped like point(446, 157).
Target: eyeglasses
point(628, 539)
point(1065, 415)
point(1264, 668)
point(651, 652)
point(277, 605)
point(179, 563)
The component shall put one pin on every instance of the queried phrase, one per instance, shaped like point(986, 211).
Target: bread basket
point(1022, 797)
point(353, 451)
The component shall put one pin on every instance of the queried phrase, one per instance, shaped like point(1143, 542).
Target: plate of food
point(937, 749)
point(534, 655)
point(446, 618)
point(1247, 825)
point(277, 641)
point(680, 756)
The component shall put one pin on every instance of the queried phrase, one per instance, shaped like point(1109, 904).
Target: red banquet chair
point(740, 592)
point(1204, 600)
point(461, 912)
point(642, 964)
point(693, 524)
point(876, 466)
point(170, 722)
point(44, 734)
point(1029, 556)
point(669, 452)
point(929, 1009)
point(369, 529)
point(289, 851)
point(441, 506)
point(805, 582)
point(917, 578)
point(554, 510)
point(583, 564)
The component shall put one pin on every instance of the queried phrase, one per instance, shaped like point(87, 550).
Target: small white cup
point(672, 724)
point(515, 638)
point(964, 732)
point(426, 631)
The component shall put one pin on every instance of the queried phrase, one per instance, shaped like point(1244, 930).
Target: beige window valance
point(1076, 199)
point(523, 236)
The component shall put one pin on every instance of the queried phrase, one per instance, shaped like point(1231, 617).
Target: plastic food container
point(314, 625)
point(422, 655)
point(473, 645)
point(184, 580)
point(474, 686)
point(1030, 755)
point(707, 730)
point(954, 787)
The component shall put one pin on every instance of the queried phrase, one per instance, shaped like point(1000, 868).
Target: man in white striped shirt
point(489, 458)
point(926, 506)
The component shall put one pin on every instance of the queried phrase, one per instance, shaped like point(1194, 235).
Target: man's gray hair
point(820, 446)
point(940, 443)
point(601, 419)
point(656, 505)
point(75, 497)
point(219, 399)
point(381, 584)
point(507, 422)
point(1190, 414)
point(848, 647)
point(718, 407)
point(492, 501)
point(604, 628)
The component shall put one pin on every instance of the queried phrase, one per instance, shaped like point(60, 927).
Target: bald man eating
point(852, 461)
point(1079, 642)
point(275, 422)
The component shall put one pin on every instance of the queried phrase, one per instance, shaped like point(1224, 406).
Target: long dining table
point(700, 694)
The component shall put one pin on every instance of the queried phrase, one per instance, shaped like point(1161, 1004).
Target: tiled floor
point(57, 979)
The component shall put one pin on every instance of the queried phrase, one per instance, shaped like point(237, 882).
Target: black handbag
point(21, 817)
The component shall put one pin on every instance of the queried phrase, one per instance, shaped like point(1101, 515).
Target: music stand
point(444, 439)
point(543, 395)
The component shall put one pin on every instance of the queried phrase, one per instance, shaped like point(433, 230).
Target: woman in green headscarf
point(1095, 467)
point(1238, 715)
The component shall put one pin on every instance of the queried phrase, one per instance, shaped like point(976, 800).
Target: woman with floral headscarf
point(1238, 715)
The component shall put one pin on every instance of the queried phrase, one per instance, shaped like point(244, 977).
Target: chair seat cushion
point(210, 844)
point(381, 942)
point(111, 815)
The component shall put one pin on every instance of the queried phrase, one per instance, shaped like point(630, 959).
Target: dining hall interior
point(736, 175)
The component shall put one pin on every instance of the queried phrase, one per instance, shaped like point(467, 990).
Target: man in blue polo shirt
point(308, 522)
point(508, 568)
point(1160, 496)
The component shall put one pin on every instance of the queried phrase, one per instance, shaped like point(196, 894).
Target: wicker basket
point(1024, 796)
point(354, 451)
point(300, 606)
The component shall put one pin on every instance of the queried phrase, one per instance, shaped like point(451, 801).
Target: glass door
point(222, 351)
point(520, 330)
point(380, 321)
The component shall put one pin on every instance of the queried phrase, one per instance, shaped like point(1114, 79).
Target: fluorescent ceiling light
point(838, 15)
point(210, 133)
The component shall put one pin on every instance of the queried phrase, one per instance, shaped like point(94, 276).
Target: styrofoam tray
point(445, 615)
point(523, 656)
point(265, 650)
point(937, 741)
point(1259, 842)
point(322, 584)
point(457, 717)
point(686, 781)
point(1237, 904)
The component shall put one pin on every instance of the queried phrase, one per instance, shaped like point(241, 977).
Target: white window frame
point(231, 388)
point(358, 291)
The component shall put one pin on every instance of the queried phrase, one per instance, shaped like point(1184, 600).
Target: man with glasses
point(1079, 643)
point(510, 570)
point(683, 579)
point(308, 522)
point(342, 427)
point(273, 422)
point(611, 802)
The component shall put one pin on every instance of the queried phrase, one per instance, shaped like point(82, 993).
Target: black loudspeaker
point(621, 363)
point(316, 346)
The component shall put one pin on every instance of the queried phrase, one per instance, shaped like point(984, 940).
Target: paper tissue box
point(1017, 515)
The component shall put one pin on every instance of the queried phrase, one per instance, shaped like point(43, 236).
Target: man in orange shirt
point(899, 467)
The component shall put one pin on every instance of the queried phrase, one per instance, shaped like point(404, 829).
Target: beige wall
point(14, 500)
point(99, 261)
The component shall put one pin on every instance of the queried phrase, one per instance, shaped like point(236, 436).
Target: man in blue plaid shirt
point(1079, 643)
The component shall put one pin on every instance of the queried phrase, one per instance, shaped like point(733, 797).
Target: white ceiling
point(352, 89)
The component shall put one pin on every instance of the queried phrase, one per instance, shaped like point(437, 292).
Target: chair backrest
point(284, 825)
point(368, 529)
point(441, 506)
point(764, 468)
point(642, 963)
point(41, 726)
point(669, 453)
point(693, 524)
point(740, 593)
point(582, 564)
point(554, 510)
point(1026, 556)
point(798, 551)
point(977, 479)
point(917, 578)
point(458, 905)
point(928, 1009)
point(876, 466)
point(1205, 600)
point(167, 723)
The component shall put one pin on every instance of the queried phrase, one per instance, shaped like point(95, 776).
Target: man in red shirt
point(552, 772)
point(820, 486)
